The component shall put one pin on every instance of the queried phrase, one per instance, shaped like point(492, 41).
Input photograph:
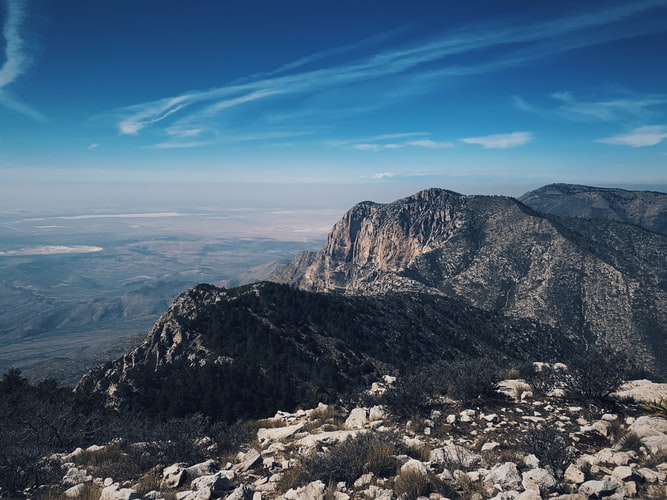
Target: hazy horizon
point(328, 103)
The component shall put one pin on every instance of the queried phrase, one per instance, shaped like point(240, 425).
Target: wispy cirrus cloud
point(17, 58)
point(398, 141)
point(496, 46)
point(649, 135)
point(621, 108)
point(500, 141)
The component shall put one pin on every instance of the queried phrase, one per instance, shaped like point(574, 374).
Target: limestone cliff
point(605, 282)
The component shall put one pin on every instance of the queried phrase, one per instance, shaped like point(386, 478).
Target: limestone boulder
point(540, 480)
point(114, 492)
point(357, 419)
point(269, 435)
point(602, 489)
point(505, 475)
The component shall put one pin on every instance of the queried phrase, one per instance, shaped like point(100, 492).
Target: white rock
point(250, 459)
point(573, 474)
point(113, 492)
point(312, 441)
point(202, 469)
point(642, 390)
point(467, 415)
point(215, 483)
point(531, 461)
point(357, 419)
point(414, 465)
point(265, 436)
point(539, 479)
point(377, 413)
point(75, 491)
point(455, 454)
point(506, 475)
point(599, 489)
point(173, 476)
point(240, 493)
point(75, 476)
point(364, 480)
point(489, 446)
point(311, 491)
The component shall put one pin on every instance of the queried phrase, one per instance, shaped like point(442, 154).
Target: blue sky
point(478, 96)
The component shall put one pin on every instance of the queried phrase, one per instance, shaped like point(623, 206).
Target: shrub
point(411, 396)
point(595, 374)
point(550, 447)
point(630, 441)
point(545, 379)
point(351, 458)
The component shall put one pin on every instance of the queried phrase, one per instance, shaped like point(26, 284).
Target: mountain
point(604, 282)
point(249, 351)
point(646, 209)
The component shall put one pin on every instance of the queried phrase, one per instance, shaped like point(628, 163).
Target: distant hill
point(249, 351)
point(646, 209)
point(602, 281)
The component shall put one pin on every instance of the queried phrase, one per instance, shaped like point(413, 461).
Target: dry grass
point(656, 408)
point(291, 478)
point(89, 492)
point(410, 484)
point(652, 460)
point(328, 418)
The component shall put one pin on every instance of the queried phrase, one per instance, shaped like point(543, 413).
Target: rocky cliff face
point(605, 282)
point(646, 209)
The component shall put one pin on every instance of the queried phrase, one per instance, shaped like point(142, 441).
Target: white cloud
point(50, 250)
point(93, 146)
point(521, 43)
point(500, 141)
point(606, 110)
point(649, 135)
point(378, 147)
point(17, 58)
point(430, 144)
point(383, 175)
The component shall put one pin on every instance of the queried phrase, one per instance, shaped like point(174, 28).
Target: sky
point(326, 102)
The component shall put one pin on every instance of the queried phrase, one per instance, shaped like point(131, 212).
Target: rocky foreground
point(519, 446)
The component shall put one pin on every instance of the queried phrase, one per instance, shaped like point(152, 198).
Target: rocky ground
point(517, 447)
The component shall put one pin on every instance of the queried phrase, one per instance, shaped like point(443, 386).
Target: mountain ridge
point(604, 281)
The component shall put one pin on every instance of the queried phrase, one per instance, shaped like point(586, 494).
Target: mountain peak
point(593, 280)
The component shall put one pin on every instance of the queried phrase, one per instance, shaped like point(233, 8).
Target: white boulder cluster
point(472, 451)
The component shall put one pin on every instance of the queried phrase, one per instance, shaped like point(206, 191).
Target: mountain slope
point(249, 351)
point(646, 209)
point(602, 282)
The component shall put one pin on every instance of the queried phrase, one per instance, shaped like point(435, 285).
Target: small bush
point(353, 457)
point(595, 374)
point(545, 379)
point(651, 459)
point(630, 441)
point(550, 447)
point(412, 396)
